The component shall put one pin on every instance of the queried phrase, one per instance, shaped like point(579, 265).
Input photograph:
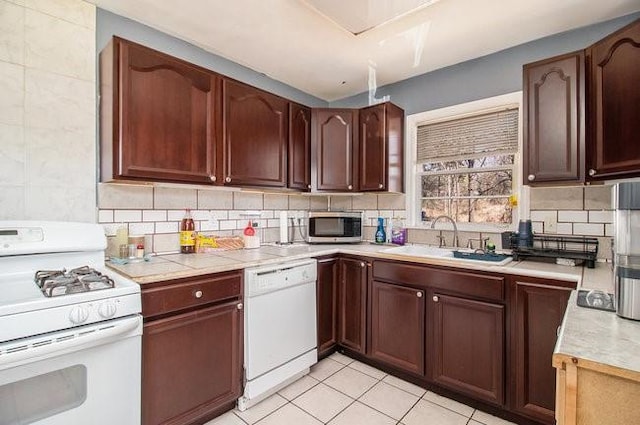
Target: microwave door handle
point(81, 339)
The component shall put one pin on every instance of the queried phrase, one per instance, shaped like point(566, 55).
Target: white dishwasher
point(280, 327)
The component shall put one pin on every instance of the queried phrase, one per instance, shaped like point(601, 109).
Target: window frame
point(414, 173)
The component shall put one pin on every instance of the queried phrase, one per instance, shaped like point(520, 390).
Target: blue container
point(381, 235)
point(525, 234)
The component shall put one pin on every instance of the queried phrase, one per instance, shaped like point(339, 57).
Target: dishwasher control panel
point(260, 280)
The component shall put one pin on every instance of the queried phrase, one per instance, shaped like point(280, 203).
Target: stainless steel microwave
point(334, 227)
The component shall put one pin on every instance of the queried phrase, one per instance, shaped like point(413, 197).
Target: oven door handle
point(40, 347)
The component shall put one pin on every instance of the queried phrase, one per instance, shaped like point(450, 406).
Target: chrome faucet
point(455, 228)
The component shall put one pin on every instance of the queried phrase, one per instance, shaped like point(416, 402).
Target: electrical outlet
point(551, 224)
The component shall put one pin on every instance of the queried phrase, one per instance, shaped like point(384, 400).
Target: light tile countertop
point(599, 340)
point(174, 266)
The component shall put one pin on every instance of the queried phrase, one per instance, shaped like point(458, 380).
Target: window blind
point(470, 137)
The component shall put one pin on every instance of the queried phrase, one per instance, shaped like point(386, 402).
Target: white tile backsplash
point(588, 229)
point(126, 216)
point(573, 216)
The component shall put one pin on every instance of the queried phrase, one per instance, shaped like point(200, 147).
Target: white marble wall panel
point(12, 155)
point(125, 196)
point(12, 93)
point(11, 32)
point(12, 202)
point(64, 203)
point(78, 12)
point(58, 102)
point(60, 157)
point(59, 46)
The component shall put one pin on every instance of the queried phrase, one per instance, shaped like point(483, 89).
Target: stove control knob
point(79, 314)
point(107, 309)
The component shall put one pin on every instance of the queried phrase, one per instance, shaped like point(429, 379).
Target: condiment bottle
point(187, 234)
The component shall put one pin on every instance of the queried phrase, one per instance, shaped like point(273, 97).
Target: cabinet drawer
point(186, 293)
point(450, 281)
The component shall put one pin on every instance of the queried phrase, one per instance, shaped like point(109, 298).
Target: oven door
point(85, 375)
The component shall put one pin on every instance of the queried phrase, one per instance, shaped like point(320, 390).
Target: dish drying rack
point(547, 246)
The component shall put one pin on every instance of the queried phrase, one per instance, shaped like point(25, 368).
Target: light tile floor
point(343, 391)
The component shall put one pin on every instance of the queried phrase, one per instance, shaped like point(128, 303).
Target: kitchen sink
point(420, 251)
point(458, 255)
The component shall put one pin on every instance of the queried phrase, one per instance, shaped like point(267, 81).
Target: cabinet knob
point(531, 177)
point(419, 294)
point(380, 186)
point(436, 298)
point(213, 178)
point(227, 179)
point(308, 186)
point(350, 187)
point(198, 294)
point(592, 172)
point(362, 264)
point(240, 306)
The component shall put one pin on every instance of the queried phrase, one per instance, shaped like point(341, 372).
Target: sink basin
point(420, 251)
point(463, 256)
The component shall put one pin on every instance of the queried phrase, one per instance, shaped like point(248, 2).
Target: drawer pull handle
point(240, 306)
point(436, 298)
point(419, 294)
point(198, 294)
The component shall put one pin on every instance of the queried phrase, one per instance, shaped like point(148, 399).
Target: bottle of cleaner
point(381, 236)
point(187, 234)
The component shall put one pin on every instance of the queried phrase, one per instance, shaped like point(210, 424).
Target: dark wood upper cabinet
point(352, 303)
point(380, 153)
point(554, 120)
point(467, 346)
point(299, 158)
point(326, 298)
point(538, 309)
point(334, 150)
point(191, 349)
point(397, 321)
point(255, 134)
point(614, 104)
point(157, 116)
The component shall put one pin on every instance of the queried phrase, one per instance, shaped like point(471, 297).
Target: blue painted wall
point(109, 24)
point(487, 76)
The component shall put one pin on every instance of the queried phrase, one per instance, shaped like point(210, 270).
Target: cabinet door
point(381, 160)
point(255, 136)
point(327, 292)
point(333, 151)
point(191, 364)
point(538, 310)
point(352, 299)
point(299, 158)
point(554, 139)
point(157, 119)
point(467, 346)
point(397, 318)
point(373, 149)
point(615, 104)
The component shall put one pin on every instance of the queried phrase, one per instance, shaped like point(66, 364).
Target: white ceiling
point(311, 45)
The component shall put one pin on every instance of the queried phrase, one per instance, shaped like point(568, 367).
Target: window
point(466, 163)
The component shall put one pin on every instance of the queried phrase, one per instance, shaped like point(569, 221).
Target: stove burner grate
point(54, 283)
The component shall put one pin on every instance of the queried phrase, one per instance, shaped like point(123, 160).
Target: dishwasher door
point(280, 326)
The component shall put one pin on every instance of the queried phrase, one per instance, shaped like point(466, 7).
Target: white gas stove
point(68, 326)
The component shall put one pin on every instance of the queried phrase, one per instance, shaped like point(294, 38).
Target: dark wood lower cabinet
point(192, 346)
point(539, 309)
point(467, 346)
point(397, 319)
point(326, 292)
point(352, 301)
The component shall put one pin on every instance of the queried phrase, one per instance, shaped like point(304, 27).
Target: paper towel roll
point(284, 228)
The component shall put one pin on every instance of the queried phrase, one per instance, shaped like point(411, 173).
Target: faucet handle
point(442, 241)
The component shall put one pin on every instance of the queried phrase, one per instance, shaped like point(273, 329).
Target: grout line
point(237, 416)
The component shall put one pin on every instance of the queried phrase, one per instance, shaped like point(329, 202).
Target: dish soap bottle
point(187, 234)
point(381, 236)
